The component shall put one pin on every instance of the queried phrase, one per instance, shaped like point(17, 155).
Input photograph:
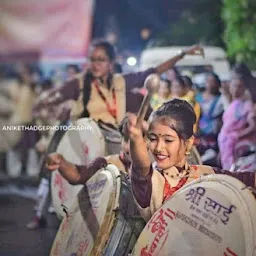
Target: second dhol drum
point(103, 220)
point(80, 145)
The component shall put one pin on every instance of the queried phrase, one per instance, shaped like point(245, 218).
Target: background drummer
point(75, 174)
point(100, 94)
point(169, 141)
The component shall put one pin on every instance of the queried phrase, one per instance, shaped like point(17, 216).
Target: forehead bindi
point(161, 130)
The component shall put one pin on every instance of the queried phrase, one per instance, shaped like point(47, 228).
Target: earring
point(187, 153)
point(147, 144)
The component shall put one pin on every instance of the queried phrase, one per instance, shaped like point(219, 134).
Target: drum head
point(78, 146)
point(212, 216)
point(87, 226)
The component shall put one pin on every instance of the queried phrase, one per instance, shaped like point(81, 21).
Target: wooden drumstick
point(151, 83)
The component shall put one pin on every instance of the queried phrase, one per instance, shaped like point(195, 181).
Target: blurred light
point(131, 61)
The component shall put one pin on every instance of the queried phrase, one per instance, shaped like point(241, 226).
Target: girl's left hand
point(195, 50)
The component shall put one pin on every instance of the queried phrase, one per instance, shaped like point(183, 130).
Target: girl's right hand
point(135, 132)
point(53, 161)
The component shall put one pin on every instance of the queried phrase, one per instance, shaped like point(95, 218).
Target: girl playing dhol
point(169, 140)
point(98, 92)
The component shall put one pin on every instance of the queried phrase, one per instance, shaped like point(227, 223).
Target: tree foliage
point(239, 17)
point(194, 21)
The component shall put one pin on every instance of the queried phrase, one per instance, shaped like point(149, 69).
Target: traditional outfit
point(23, 154)
point(235, 120)
point(190, 98)
point(210, 122)
point(96, 100)
point(157, 101)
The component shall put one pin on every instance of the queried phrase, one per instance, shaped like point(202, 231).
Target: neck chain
point(183, 172)
point(181, 175)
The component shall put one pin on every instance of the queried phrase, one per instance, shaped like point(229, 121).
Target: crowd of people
point(225, 114)
point(220, 120)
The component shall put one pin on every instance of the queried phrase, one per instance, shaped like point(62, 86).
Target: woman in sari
point(210, 121)
point(238, 132)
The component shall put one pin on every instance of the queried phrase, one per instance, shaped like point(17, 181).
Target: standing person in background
point(211, 119)
point(239, 125)
point(163, 94)
point(172, 73)
point(72, 70)
point(181, 90)
point(23, 155)
point(100, 94)
point(225, 92)
point(241, 69)
point(190, 95)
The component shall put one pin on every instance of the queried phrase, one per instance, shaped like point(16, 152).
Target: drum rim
point(110, 215)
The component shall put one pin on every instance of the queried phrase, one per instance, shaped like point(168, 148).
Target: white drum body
point(104, 219)
point(214, 215)
point(79, 146)
point(78, 230)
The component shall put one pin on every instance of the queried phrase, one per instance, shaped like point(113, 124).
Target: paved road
point(15, 240)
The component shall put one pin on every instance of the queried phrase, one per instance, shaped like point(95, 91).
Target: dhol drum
point(79, 146)
point(214, 215)
point(103, 220)
point(112, 137)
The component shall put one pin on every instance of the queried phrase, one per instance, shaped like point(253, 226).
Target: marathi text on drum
point(46, 128)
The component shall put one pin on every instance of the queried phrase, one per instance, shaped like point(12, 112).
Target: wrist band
point(182, 54)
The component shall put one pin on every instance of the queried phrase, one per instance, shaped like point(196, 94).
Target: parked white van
point(215, 59)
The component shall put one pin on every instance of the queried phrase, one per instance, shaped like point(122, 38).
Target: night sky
point(128, 17)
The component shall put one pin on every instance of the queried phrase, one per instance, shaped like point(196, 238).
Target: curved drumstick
point(151, 83)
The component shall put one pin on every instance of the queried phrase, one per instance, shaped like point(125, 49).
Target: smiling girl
point(169, 141)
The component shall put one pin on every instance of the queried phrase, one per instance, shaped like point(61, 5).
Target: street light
point(131, 61)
